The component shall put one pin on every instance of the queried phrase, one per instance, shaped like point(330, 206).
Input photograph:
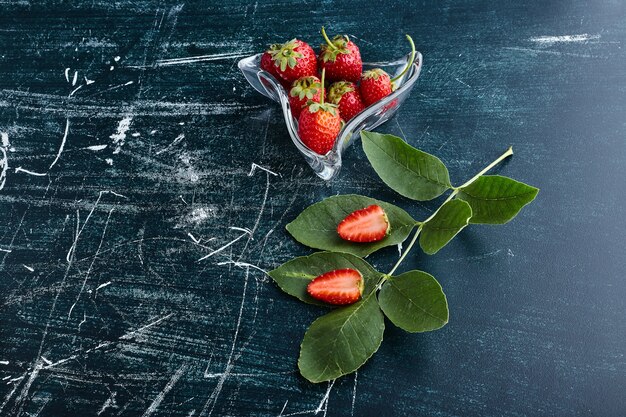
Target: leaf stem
point(406, 251)
point(454, 192)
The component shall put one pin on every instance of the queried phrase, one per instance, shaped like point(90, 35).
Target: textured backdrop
point(128, 138)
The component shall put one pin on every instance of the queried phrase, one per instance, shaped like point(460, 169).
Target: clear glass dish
point(328, 166)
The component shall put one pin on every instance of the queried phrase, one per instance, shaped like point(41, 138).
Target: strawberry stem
point(408, 65)
point(330, 44)
point(455, 191)
point(323, 77)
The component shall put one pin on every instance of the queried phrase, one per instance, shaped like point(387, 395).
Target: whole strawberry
point(346, 95)
point(267, 63)
point(377, 84)
point(302, 91)
point(319, 124)
point(341, 58)
point(294, 59)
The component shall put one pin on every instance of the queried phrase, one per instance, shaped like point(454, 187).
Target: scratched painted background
point(134, 229)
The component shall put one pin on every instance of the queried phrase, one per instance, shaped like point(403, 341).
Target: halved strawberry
point(339, 287)
point(366, 225)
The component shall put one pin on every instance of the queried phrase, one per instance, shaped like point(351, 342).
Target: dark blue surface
point(105, 308)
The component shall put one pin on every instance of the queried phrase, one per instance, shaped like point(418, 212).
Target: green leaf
point(414, 301)
point(409, 171)
point(294, 275)
point(316, 226)
point(449, 220)
point(496, 199)
point(341, 341)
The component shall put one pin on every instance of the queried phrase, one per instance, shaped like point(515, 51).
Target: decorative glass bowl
point(328, 166)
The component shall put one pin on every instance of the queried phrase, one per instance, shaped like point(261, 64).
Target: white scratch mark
point(88, 81)
point(323, 406)
point(4, 362)
point(67, 128)
point(116, 59)
point(47, 361)
point(30, 268)
point(109, 161)
point(241, 229)
point(27, 385)
point(284, 406)
point(96, 147)
point(218, 250)
point(93, 260)
point(159, 398)
point(147, 326)
point(242, 264)
point(255, 166)
point(6, 250)
point(75, 90)
point(67, 75)
point(356, 374)
point(4, 166)
point(119, 137)
point(193, 238)
point(229, 364)
point(110, 402)
point(200, 58)
point(175, 142)
point(464, 83)
point(106, 284)
point(550, 40)
point(5, 139)
point(540, 51)
point(75, 78)
point(26, 171)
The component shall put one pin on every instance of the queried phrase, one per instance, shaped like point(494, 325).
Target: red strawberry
point(377, 84)
point(294, 59)
point(346, 95)
point(341, 58)
point(319, 124)
point(339, 287)
point(267, 63)
point(302, 91)
point(366, 225)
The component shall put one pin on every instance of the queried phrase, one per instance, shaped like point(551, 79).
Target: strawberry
point(294, 59)
point(341, 58)
point(377, 84)
point(267, 63)
point(319, 124)
point(339, 287)
point(366, 225)
point(302, 91)
point(346, 95)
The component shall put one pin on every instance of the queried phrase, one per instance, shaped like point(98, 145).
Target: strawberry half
point(346, 95)
point(366, 225)
point(294, 59)
point(341, 58)
point(338, 287)
point(319, 124)
point(376, 84)
point(302, 91)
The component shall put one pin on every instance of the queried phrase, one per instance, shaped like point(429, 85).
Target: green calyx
point(286, 54)
point(338, 89)
point(373, 74)
point(305, 87)
point(330, 50)
point(314, 107)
